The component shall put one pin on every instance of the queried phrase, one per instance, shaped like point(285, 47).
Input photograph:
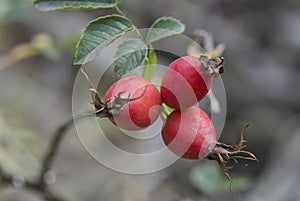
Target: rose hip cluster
point(133, 103)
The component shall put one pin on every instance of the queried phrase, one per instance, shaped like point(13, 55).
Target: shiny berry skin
point(189, 133)
point(139, 113)
point(185, 83)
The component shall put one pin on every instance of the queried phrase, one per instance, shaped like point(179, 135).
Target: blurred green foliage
point(20, 145)
point(208, 178)
point(14, 10)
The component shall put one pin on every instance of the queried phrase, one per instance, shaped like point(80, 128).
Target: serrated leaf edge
point(74, 7)
point(126, 41)
point(78, 62)
point(161, 19)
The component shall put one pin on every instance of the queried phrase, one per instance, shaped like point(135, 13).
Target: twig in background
point(39, 185)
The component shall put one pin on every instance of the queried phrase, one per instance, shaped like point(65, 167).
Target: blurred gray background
point(262, 79)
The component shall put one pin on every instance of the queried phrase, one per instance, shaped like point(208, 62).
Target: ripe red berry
point(134, 103)
point(188, 79)
point(189, 133)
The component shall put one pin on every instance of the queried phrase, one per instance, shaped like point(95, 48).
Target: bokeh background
point(262, 83)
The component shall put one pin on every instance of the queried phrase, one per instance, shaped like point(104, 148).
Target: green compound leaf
point(130, 54)
point(51, 5)
point(98, 34)
point(164, 27)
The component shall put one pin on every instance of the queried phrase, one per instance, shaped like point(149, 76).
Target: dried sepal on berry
point(213, 66)
point(113, 106)
point(226, 154)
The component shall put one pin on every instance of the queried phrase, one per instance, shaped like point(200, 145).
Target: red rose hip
point(188, 79)
point(143, 102)
point(131, 103)
point(189, 133)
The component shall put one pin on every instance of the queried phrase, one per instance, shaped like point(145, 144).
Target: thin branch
point(7, 179)
point(119, 10)
point(52, 151)
point(39, 185)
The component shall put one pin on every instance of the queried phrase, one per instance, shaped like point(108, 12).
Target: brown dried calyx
point(226, 154)
point(213, 66)
point(111, 107)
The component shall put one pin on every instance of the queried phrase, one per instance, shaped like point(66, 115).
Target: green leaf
point(164, 27)
point(98, 34)
point(130, 54)
point(20, 144)
point(50, 5)
point(150, 65)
